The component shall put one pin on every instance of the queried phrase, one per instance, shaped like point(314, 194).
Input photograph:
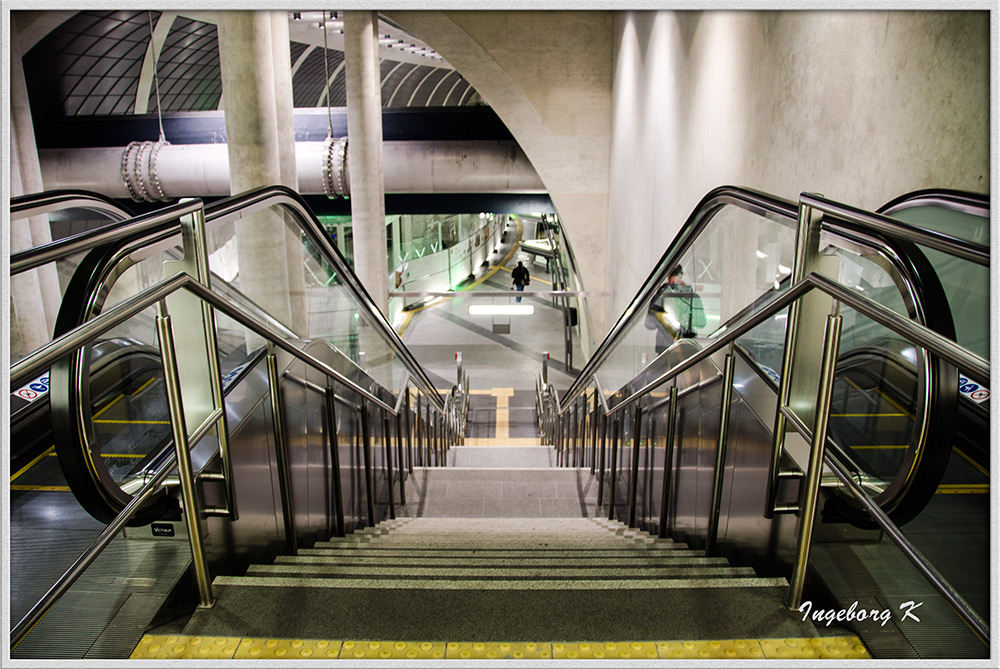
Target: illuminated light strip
point(33, 463)
point(501, 309)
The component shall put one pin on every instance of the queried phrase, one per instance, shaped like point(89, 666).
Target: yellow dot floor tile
point(161, 647)
point(290, 649)
point(825, 648)
point(392, 650)
point(625, 650)
point(732, 649)
point(180, 647)
point(498, 651)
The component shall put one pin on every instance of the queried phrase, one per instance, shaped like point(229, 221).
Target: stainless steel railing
point(156, 295)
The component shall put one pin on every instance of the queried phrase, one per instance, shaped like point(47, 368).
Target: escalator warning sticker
point(35, 389)
point(973, 390)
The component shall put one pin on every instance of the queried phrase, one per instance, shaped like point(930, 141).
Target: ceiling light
point(761, 254)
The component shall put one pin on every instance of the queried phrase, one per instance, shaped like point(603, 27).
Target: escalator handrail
point(852, 216)
point(263, 198)
point(968, 203)
point(35, 204)
point(843, 220)
point(84, 241)
point(44, 357)
point(751, 200)
point(978, 368)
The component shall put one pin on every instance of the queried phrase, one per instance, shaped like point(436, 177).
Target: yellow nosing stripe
point(133, 422)
point(868, 415)
point(972, 462)
point(143, 387)
point(181, 647)
point(41, 488)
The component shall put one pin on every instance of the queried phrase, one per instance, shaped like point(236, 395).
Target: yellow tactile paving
point(181, 647)
point(392, 650)
point(287, 649)
point(625, 650)
point(161, 647)
point(828, 648)
point(498, 651)
point(732, 649)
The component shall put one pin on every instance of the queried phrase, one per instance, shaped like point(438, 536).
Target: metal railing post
point(810, 489)
point(720, 454)
point(634, 474)
point(366, 444)
point(387, 447)
point(281, 451)
point(409, 433)
point(612, 483)
point(668, 461)
point(185, 471)
point(400, 458)
point(334, 443)
point(595, 420)
point(600, 467)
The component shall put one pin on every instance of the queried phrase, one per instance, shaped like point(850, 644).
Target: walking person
point(521, 278)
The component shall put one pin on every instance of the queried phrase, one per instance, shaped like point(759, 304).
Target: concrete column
point(35, 295)
point(248, 79)
point(364, 131)
point(283, 98)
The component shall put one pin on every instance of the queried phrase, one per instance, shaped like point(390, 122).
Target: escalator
point(903, 442)
point(319, 408)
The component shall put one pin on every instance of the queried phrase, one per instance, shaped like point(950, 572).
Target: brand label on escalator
point(973, 390)
point(34, 390)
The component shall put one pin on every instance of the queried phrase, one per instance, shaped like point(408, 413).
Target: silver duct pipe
point(151, 171)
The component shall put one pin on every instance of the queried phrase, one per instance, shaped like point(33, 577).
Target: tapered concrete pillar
point(285, 114)
point(247, 67)
point(364, 131)
point(35, 295)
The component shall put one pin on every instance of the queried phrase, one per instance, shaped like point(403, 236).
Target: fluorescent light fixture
point(784, 270)
point(712, 317)
point(501, 309)
point(761, 254)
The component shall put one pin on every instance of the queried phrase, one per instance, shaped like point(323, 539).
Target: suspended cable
point(156, 81)
point(326, 69)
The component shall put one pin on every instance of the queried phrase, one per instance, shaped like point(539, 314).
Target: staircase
point(497, 561)
point(493, 580)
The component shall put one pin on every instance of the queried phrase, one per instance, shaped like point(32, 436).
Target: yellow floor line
point(34, 462)
point(111, 404)
point(143, 387)
point(964, 489)
point(496, 268)
point(182, 647)
point(503, 396)
point(972, 462)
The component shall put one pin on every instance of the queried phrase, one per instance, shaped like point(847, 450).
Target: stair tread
point(501, 584)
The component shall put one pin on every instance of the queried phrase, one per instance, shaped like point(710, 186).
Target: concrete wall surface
point(860, 106)
point(547, 74)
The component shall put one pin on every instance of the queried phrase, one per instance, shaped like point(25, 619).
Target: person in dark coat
point(521, 278)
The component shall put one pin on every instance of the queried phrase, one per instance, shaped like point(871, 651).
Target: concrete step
point(495, 572)
point(486, 542)
point(576, 558)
